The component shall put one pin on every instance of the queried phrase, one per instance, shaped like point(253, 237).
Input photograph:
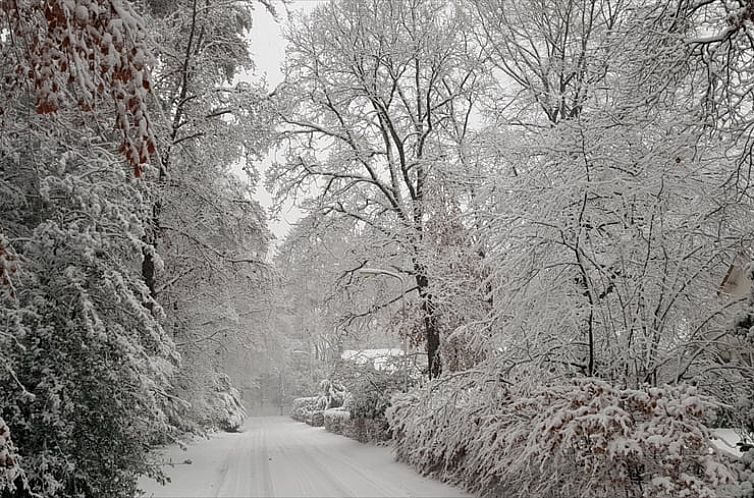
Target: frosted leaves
point(77, 52)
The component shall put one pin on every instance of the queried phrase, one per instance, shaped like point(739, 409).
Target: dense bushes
point(228, 412)
point(331, 395)
point(86, 362)
point(302, 408)
point(355, 408)
point(316, 419)
point(212, 404)
point(337, 421)
point(311, 409)
point(580, 438)
point(370, 395)
point(359, 412)
point(744, 468)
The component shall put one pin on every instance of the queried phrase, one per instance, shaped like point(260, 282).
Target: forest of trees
point(551, 198)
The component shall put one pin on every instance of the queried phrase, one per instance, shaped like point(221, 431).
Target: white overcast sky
point(268, 48)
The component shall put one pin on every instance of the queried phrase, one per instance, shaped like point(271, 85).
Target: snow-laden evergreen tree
point(87, 365)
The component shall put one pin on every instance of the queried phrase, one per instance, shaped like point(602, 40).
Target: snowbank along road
point(277, 457)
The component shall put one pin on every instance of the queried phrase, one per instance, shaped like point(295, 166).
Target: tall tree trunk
point(148, 263)
point(431, 330)
point(148, 267)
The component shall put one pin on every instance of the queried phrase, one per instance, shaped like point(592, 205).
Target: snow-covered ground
point(275, 456)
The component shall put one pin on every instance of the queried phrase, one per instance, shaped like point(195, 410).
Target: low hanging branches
point(76, 52)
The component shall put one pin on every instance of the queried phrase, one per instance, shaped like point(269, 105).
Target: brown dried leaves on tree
point(77, 51)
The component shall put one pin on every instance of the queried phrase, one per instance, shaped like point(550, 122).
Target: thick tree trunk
point(431, 330)
point(148, 272)
point(148, 267)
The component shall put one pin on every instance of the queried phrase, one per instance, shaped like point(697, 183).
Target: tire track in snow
point(344, 463)
point(326, 473)
point(229, 470)
point(311, 476)
point(269, 488)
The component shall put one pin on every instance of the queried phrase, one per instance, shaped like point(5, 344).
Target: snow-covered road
point(275, 456)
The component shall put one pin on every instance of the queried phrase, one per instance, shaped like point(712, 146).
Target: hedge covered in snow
point(582, 437)
point(312, 409)
point(370, 397)
point(228, 412)
point(316, 419)
point(302, 408)
point(337, 420)
point(331, 395)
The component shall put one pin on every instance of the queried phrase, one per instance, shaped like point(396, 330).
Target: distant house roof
point(378, 357)
point(737, 281)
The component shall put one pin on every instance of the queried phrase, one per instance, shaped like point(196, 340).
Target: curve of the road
point(277, 457)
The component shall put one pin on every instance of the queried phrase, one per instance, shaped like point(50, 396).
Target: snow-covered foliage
point(582, 437)
point(370, 393)
point(228, 412)
point(569, 194)
point(337, 420)
point(73, 53)
point(87, 363)
point(744, 468)
point(316, 418)
point(375, 172)
point(585, 220)
point(312, 409)
point(206, 264)
point(321, 318)
point(302, 408)
point(331, 395)
point(205, 399)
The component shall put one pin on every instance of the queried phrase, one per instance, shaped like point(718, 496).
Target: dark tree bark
point(431, 330)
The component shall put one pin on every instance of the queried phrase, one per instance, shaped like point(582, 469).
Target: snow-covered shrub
point(301, 408)
point(316, 418)
point(90, 367)
point(86, 363)
point(744, 485)
point(366, 430)
point(228, 412)
point(337, 420)
point(204, 400)
point(369, 397)
point(331, 395)
point(311, 409)
point(583, 437)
